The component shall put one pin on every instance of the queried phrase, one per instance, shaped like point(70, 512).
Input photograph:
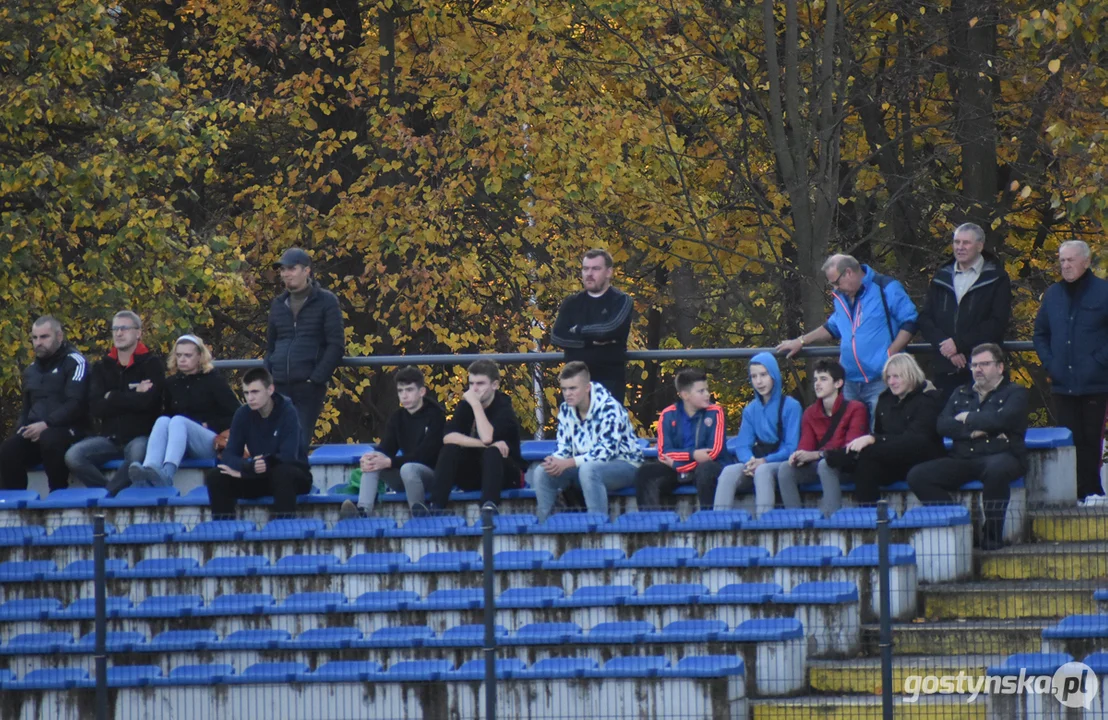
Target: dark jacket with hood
point(204, 397)
point(910, 421)
point(309, 345)
point(418, 436)
point(1001, 415)
point(55, 390)
point(981, 317)
point(123, 412)
point(276, 438)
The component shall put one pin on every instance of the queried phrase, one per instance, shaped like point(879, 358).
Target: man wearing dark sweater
point(409, 449)
point(592, 326)
point(268, 428)
point(481, 445)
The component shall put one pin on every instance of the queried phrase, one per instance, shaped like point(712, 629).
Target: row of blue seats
point(412, 636)
point(695, 666)
point(289, 529)
point(459, 561)
point(1045, 664)
point(1080, 626)
point(183, 606)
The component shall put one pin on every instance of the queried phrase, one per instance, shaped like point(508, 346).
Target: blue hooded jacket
point(863, 328)
point(759, 421)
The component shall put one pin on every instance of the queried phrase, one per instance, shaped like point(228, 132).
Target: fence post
point(886, 639)
point(490, 612)
point(100, 583)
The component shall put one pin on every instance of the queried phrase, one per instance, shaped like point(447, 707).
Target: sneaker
point(134, 471)
point(147, 476)
point(118, 483)
point(1094, 501)
point(419, 510)
point(349, 510)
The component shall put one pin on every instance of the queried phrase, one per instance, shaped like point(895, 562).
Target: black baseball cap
point(293, 256)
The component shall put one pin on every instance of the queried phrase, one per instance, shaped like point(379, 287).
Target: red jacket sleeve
point(856, 422)
point(808, 437)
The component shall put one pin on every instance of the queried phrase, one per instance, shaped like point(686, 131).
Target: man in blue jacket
point(304, 340)
point(267, 428)
point(872, 318)
point(1071, 338)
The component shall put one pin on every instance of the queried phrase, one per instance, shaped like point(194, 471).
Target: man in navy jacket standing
point(1071, 338)
point(304, 340)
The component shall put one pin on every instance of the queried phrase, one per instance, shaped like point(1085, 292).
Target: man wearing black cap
point(304, 340)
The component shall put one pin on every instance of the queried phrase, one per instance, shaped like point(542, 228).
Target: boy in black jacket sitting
point(278, 461)
point(409, 448)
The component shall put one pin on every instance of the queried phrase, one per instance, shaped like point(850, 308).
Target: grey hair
point(978, 233)
point(132, 316)
point(1081, 246)
point(54, 323)
point(842, 263)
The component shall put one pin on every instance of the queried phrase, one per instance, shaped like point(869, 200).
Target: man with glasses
point(873, 319)
point(1071, 338)
point(125, 396)
point(987, 421)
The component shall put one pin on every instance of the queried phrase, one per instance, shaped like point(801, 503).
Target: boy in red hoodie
point(830, 423)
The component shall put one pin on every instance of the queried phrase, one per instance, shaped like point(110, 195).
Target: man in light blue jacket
point(872, 318)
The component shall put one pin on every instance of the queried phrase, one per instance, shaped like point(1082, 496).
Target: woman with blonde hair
point(904, 432)
point(199, 404)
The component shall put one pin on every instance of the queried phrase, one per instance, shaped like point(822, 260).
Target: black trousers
point(887, 463)
point(483, 469)
point(17, 454)
point(283, 482)
point(933, 482)
point(1084, 416)
point(655, 479)
point(308, 399)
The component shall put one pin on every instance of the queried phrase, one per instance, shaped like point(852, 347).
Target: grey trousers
point(409, 479)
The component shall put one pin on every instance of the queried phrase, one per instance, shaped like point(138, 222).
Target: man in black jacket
point(968, 304)
point(987, 422)
point(593, 325)
point(304, 340)
point(409, 449)
point(55, 410)
point(125, 395)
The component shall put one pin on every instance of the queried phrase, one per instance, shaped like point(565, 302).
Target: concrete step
point(1008, 599)
point(862, 676)
point(814, 707)
point(1070, 525)
point(969, 637)
point(1046, 561)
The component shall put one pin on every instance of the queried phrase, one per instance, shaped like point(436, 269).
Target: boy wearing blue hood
point(768, 435)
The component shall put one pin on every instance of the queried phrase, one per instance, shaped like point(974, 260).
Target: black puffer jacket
point(308, 346)
point(1002, 416)
point(125, 413)
point(909, 421)
point(55, 390)
point(204, 397)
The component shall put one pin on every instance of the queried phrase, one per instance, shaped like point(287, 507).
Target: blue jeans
point(84, 458)
point(175, 438)
point(594, 478)
point(865, 392)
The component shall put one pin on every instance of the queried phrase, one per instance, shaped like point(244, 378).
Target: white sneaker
point(1095, 501)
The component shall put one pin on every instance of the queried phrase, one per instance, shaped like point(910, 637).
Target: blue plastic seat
point(932, 516)
point(453, 599)
point(167, 606)
point(715, 520)
point(46, 643)
point(693, 631)
point(537, 450)
point(85, 609)
point(782, 519)
point(243, 566)
point(505, 669)
point(569, 523)
point(311, 602)
point(731, 557)
point(855, 518)
point(743, 594)
point(141, 497)
point(529, 597)
point(1079, 626)
point(419, 671)
point(26, 570)
point(16, 499)
point(254, 640)
point(586, 559)
point(184, 675)
point(301, 565)
point(270, 672)
point(1045, 438)
point(399, 636)
point(521, 559)
point(646, 666)
point(216, 531)
point(1098, 663)
point(238, 604)
point(457, 561)
point(767, 630)
point(114, 642)
point(1101, 595)
point(345, 671)
point(50, 679)
point(820, 593)
point(559, 668)
point(146, 533)
point(652, 521)
point(332, 638)
point(546, 633)
point(669, 594)
point(659, 557)
point(21, 535)
point(510, 524)
point(86, 570)
point(28, 609)
point(385, 601)
point(598, 596)
point(355, 528)
point(707, 666)
point(428, 527)
point(804, 556)
point(866, 556)
point(183, 641)
point(339, 454)
point(130, 676)
point(197, 497)
point(291, 529)
point(626, 631)
point(69, 498)
point(160, 568)
point(1029, 664)
point(6, 676)
point(375, 563)
point(71, 535)
point(465, 636)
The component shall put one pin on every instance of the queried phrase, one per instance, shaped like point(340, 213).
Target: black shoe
point(990, 545)
point(419, 510)
point(349, 511)
point(118, 484)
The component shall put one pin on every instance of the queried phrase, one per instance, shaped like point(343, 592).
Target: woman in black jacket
point(904, 433)
point(199, 405)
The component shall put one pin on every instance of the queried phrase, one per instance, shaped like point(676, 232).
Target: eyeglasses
point(982, 364)
point(835, 283)
point(123, 328)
